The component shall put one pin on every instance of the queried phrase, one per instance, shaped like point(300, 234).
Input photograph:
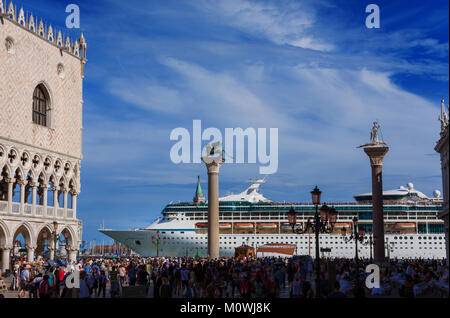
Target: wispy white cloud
point(145, 94)
point(288, 24)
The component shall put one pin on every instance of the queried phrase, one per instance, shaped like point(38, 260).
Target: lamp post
point(389, 247)
point(55, 237)
point(323, 223)
point(359, 236)
point(157, 241)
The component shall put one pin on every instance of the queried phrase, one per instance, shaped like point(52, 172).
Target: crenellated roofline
point(40, 29)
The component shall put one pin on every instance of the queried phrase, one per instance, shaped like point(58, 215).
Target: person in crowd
point(102, 280)
point(44, 288)
point(24, 278)
point(336, 293)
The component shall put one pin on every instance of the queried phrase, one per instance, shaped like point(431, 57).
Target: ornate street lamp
point(323, 223)
point(157, 240)
point(359, 236)
point(389, 246)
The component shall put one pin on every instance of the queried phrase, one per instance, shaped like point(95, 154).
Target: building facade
point(442, 148)
point(41, 94)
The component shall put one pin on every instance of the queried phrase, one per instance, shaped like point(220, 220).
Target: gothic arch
point(3, 155)
point(19, 174)
point(27, 231)
point(73, 186)
point(6, 171)
point(63, 181)
point(4, 234)
point(71, 239)
point(44, 235)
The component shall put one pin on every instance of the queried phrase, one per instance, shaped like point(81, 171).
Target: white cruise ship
point(412, 229)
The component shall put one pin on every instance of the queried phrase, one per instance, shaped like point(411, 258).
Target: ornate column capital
point(30, 247)
point(376, 154)
point(213, 163)
point(55, 188)
point(10, 180)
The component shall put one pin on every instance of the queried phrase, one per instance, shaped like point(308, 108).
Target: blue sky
point(309, 68)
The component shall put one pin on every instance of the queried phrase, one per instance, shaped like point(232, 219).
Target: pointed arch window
point(41, 105)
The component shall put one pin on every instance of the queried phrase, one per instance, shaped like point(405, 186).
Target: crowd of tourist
point(182, 277)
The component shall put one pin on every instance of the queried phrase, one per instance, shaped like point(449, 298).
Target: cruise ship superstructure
point(412, 229)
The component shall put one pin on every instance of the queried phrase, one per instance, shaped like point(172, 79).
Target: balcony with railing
point(3, 207)
point(40, 211)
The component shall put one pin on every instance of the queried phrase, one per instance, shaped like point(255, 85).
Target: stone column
point(213, 165)
point(10, 182)
point(22, 196)
point(74, 204)
point(33, 197)
point(5, 258)
point(30, 253)
point(376, 155)
point(51, 248)
point(72, 254)
point(65, 191)
point(45, 198)
point(55, 201)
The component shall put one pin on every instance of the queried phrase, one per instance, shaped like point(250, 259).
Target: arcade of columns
point(26, 177)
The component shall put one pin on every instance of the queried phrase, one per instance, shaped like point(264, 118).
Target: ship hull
point(176, 243)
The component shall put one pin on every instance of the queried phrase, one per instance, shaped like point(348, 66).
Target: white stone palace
point(41, 100)
point(442, 147)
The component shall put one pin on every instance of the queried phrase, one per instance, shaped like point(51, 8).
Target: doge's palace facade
point(41, 101)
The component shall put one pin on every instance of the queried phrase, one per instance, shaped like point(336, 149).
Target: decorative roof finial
point(21, 17)
point(11, 11)
point(31, 25)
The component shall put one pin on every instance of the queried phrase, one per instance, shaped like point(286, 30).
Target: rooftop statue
point(374, 133)
point(374, 141)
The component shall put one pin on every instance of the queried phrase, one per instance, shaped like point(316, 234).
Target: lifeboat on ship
point(267, 225)
point(288, 226)
point(244, 225)
point(201, 226)
point(225, 225)
point(343, 225)
point(408, 225)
